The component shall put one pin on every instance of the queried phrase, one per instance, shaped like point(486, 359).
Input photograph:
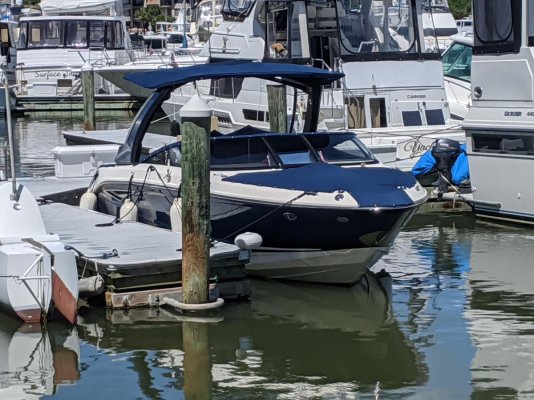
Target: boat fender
point(88, 200)
point(91, 286)
point(248, 241)
point(128, 211)
point(175, 214)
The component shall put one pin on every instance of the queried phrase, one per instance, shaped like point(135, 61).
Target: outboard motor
point(445, 151)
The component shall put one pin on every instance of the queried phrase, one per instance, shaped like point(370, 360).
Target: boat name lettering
point(416, 96)
point(52, 74)
point(512, 113)
point(415, 148)
point(530, 114)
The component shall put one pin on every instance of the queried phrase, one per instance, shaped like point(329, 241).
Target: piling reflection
point(35, 360)
point(289, 340)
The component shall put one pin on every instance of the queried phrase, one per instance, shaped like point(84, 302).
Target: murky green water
point(460, 325)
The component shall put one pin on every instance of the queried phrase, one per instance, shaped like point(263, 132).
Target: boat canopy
point(93, 7)
point(299, 76)
point(308, 79)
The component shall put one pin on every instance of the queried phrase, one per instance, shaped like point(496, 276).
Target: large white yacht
point(53, 47)
point(392, 94)
point(500, 123)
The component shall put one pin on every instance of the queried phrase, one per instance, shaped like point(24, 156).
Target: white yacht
point(500, 124)
point(53, 47)
point(457, 74)
point(438, 18)
point(392, 95)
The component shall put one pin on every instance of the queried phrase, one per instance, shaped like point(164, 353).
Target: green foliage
point(149, 15)
point(460, 8)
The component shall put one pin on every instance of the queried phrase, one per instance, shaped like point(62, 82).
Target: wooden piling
point(196, 120)
point(88, 90)
point(197, 361)
point(277, 101)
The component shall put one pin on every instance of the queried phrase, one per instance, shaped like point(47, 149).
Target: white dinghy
point(35, 269)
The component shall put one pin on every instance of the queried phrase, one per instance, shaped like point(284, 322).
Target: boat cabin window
point(226, 88)
point(377, 106)
point(518, 144)
point(77, 34)
point(376, 26)
point(240, 153)
point(6, 41)
point(71, 34)
point(497, 26)
point(236, 10)
point(44, 34)
point(457, 61)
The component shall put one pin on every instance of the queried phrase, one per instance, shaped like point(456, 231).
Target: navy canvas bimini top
point(285, 73)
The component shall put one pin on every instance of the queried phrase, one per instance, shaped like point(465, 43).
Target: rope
point(271, 212)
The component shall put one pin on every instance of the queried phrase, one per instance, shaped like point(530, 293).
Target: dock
point(138, 259)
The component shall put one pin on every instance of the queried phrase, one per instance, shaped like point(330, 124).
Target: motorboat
point(52, 48)
point(326, 209)
point(398, 116)
point(457, 74)
point(8, 54)
point(499, 130)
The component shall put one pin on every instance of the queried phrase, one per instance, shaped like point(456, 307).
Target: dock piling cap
point(195, 107)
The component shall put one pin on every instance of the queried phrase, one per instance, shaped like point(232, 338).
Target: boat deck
point(132, 255)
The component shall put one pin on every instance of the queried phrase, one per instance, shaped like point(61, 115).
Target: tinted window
point(240, 153)
point(23, 35)
point(114, 35)
point(457, 62)
point(96, 38)
point(434, 117)
point(339, 148)
point(497, 25)
point(76, 34)
point(411, 118)
point(504, 144)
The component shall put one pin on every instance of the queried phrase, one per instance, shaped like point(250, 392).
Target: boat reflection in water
point(501, 311)
point(36, 360)
point(289, 340)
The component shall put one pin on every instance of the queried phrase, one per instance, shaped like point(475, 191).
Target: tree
point(460, 8)
point(149, 16)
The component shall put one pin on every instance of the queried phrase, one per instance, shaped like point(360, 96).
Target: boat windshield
point(457, 61)
point(283, 151)
point(376, 26)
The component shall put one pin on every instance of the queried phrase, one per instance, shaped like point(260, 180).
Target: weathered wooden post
point(196, 120)
point(277, 101)
point(197, 361)
point(88, 91)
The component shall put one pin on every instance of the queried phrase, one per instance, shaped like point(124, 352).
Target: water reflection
point(501, 311)
point(36, 135)
point(36, 361)
point(289, 340)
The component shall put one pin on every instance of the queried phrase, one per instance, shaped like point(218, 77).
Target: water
point(460, 326)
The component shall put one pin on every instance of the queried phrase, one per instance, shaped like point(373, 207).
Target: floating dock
point(138, 259)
